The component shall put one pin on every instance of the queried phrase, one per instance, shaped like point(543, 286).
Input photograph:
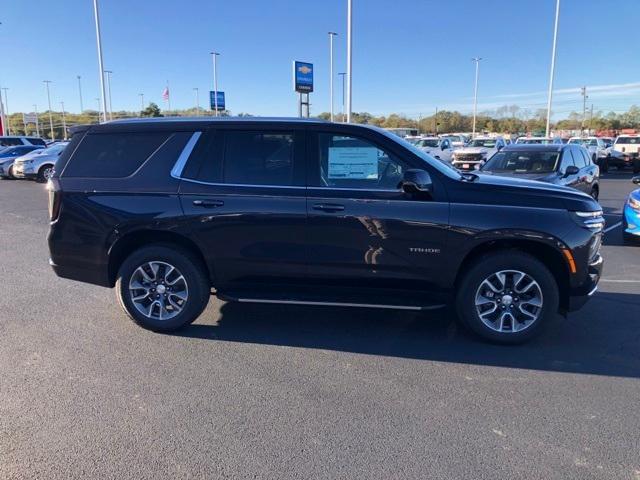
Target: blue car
point(632, 214)
point(9, 154)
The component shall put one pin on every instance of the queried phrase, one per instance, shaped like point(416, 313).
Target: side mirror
point(500, 147)
point(571, 170)
point(636, 180)
point(444, 146)
point(416, 181)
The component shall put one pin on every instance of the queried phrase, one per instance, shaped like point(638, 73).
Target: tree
point(153, 110)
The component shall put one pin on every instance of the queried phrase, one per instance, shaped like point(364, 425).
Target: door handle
point(328, 207)
point(208, 203)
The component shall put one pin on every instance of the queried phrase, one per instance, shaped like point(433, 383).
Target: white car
point(628, 147)
point(477, 152)
point(457, 140)
point(596, 146)
point(538, 140)
point(39, 164)
point(438, 148)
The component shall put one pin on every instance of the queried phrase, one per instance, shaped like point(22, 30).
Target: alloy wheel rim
point(509, 301)
point(158, 290)
point(48, 172)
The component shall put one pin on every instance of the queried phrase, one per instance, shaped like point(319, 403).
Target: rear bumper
point(82, 274)
point(580, 296)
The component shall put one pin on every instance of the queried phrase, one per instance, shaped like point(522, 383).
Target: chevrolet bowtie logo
point(304, 69)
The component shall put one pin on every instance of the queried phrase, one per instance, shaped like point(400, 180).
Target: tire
point(636, 167)
point(594, 158)
point(191, 294)
point(44, 173)
point(473, 285)
point(604, 165)
point(595, 192)
point(10, 174)
point(629, 239)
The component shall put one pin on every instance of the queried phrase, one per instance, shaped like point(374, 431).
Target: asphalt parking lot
point(265, 391)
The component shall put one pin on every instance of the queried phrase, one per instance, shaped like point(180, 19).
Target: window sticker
point(356, 163)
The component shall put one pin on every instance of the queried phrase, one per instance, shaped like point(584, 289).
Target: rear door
point(243, 195)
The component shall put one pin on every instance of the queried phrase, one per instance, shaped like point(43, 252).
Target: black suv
point(569, 165)
point(314, 213)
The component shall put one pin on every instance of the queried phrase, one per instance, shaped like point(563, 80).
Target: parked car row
point(29, 161)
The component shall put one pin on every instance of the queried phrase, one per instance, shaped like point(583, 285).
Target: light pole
point(80, 94)
point(553, 68)
point(197, 100)
point(100, 64)
point(109, 72)
point(64, 122)
point(47, 82)
point(475, 95)
point(331, 35)
point(35, 109)
point(349, 59)
point(584, 107)
point(342, 74)
point(141, 102)
point(97, 99)
point(214, 56)
point(6, 110)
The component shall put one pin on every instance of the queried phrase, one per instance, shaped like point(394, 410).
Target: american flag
point(165, 93)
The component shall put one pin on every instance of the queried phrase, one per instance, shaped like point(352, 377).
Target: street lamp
point(109, 72)
point(64, 122)
point(349, 59)
point(141, 102)
point(35, 109)
point(331, 35)
point(100, 64)
point(6, 110)
point(214, 56)
point(47, 82)
point(475, 95)
point(80, 93)
point(553, 67)
point(197, 100)
point(342, 74)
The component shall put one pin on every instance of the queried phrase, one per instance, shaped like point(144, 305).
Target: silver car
point(39, 164)
point(8, 156)
point(439, 148)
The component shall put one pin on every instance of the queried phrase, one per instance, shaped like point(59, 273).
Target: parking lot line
point(616, 225)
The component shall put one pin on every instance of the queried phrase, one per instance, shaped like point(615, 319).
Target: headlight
point(591, 220)
point(28, 162)
point(634, 204)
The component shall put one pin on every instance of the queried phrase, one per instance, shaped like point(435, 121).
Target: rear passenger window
point(586, 156)
point(113, 155)
point(258, 158)
point(578, 157)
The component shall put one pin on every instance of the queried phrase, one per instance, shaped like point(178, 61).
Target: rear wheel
point(506, 297)
point(45, 173)
point(595, 191)
point(162, 288)
point(604, 165)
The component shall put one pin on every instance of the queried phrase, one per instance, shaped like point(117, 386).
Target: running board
point(330, 304)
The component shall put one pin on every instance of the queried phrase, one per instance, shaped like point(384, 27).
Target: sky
point(409, 56)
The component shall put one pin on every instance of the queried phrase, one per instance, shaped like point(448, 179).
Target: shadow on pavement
point(602, 339)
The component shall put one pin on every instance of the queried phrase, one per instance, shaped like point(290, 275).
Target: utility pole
point(99, 103)
point(197, 101)
point(6, 111)
point(64, 123)
point(331, 35)
point(583, 92)
point(214, 56)
point(342, 74)
point(591, 118)
point(80, 93)
point(47, 82)
point(35, 109)
point(100, 63)
point(553, 69)
point(436, 121)
point(109, 72)
point(475, 95)
point(349, 59)
point(141, 102)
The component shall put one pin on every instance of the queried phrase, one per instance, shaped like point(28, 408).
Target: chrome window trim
point(176, 171)
point(249, 185)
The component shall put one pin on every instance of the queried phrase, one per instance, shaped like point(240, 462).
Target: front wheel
point(506, 297)
point(45, 173)
point(162, 288)
point(604, 165)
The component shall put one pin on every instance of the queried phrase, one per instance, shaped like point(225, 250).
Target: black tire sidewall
point(40, 176)
point(494, 262)
point(189, 267)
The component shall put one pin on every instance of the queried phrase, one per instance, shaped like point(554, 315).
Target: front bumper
point(23, 171)
point(578, 298)
point(631, 221)
point(467, 164)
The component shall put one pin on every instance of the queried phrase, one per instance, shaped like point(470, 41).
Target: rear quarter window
point(113, 155)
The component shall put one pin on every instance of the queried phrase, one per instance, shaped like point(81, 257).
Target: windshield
point(534, 141)
point(628, 140)
point(483, 142)
point(427, 142)
point(454, 138)
point(57, 148)
point(522, 162)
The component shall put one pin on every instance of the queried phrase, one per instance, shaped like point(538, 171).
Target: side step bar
point(329, 304)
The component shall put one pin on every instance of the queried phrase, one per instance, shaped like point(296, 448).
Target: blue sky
point(409, 55)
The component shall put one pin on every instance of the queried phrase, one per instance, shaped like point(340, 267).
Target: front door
point(244, 201)
point(364, 231)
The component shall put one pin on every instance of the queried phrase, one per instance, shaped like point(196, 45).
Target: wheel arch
point(549, 255)
point(127, 244)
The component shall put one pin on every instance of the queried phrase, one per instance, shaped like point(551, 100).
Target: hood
point(472, 150)
point(540, 177)
point(516, 191)
point(31, 156)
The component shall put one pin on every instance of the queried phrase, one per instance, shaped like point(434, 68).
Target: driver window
point(567, 159)
point(352, 162)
